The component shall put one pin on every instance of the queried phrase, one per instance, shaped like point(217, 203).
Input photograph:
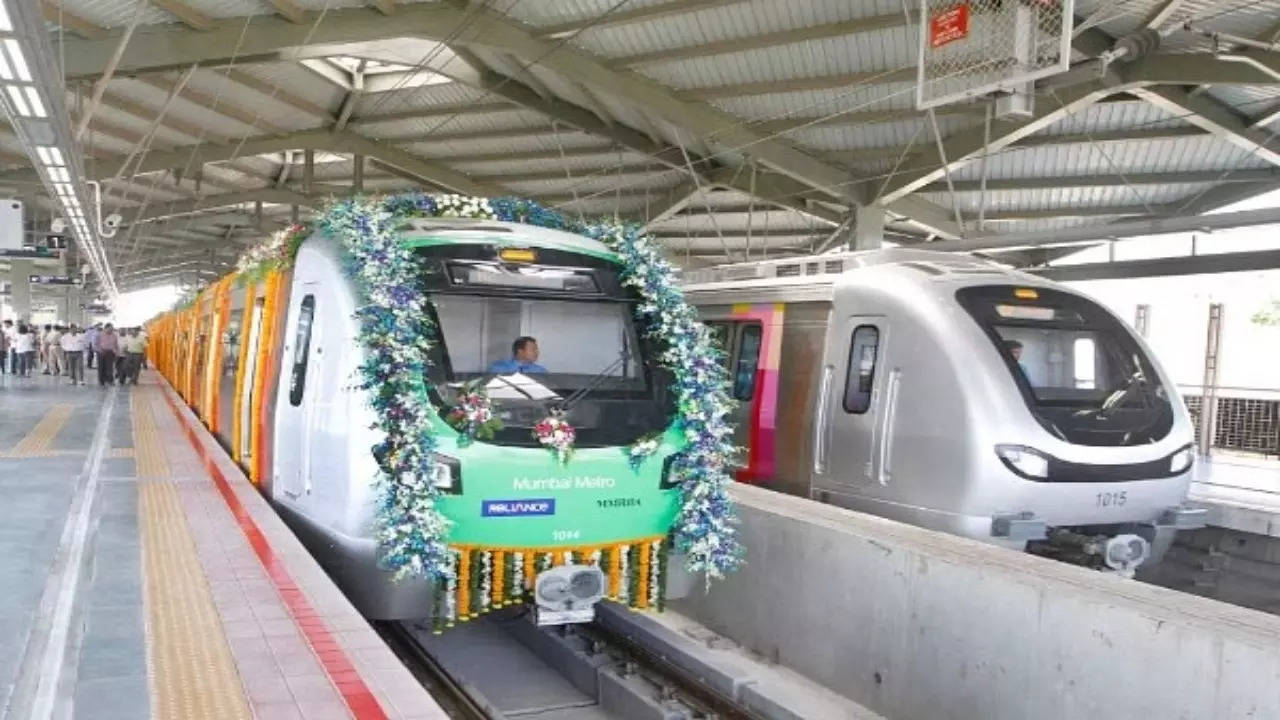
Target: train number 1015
point(1111, 499)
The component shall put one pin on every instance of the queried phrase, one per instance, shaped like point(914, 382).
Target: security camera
point(113, 220)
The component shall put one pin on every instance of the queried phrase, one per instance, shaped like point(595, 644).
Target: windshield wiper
point(1118, 396)
point(599, 378)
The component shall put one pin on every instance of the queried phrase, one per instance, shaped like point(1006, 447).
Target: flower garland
point(642, 449)
point(557, 435)
point(396, 332)
point(472, 414)
point(276, 253)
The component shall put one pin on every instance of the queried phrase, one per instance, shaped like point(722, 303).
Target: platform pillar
point(868, 228)
point(20, 287)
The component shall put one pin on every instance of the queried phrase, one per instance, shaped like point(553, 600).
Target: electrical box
point(11, 230)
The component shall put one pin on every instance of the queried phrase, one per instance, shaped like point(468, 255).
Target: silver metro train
point(952, 393)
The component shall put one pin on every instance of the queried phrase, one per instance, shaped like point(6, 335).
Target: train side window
point(744, 376)
point(301, 350)
point(862, 369)
point(720, 334)
point(1085, 363)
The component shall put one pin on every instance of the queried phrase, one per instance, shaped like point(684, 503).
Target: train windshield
point(545, 337)
point(1081, 373)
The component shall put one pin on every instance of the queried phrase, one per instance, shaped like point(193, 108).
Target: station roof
point(733, 127)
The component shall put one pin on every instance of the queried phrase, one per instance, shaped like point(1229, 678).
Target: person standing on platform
point(53, 351)
point(135, 346)
point(73, 345)
point(90, 336)
point(26, 347)
point(4, 348)
point(10, 356)
point(106, 346)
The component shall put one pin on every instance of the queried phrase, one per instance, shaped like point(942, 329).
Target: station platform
point(1240, 493)
point(145, 577)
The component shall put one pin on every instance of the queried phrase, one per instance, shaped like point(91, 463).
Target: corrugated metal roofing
point(856, 116)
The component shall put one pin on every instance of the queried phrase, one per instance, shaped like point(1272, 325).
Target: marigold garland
point(396, 334)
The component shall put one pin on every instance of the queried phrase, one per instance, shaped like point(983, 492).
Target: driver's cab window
point(569, 341)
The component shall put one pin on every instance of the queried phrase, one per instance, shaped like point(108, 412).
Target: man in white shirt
point(53, 351)
point(73, 344)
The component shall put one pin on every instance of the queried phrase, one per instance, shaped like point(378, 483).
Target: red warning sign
point(949, 25)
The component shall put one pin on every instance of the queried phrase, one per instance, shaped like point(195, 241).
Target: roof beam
point(767, 40)
point(1204, 69)
point(60, 16)
point(1128, 228)
point(278, 93)
point(437, 111)
point(704, 122)
point(213, 104)
point(1164, 14)
point(430, 172)
point(967, 145)
point(466, 68)
point(221, 200)
point(1107, 180)
point(289, 10)
point(628, 17)
point(189, 16)
point(675, 200)
point(1212, 116)
point(826, 82)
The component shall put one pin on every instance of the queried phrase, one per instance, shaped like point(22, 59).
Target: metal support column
point(20, 287)
point(308, 171)
point(357, 174)
point(1142, 320)
point(1209, 390)
point(868, 228)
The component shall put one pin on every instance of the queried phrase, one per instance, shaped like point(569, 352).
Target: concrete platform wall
point(920, 625)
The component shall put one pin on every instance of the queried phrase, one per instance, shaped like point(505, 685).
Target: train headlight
point(446, 474)
point(1024, 461)
point(1181, 460)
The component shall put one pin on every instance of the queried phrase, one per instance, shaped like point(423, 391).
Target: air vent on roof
point(811, 268)
point(740, 272)
point(792, 270)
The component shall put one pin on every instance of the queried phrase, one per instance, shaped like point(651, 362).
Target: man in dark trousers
point(107, 346)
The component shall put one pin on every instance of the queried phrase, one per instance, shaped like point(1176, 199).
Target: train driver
point(1015, 349)
point(524, 358)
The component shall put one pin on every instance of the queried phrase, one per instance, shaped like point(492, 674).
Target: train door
point(856, 416)
point(743, 344)
point(247, 382)
point(293, 415)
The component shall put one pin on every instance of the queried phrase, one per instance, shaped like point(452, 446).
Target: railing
point(1245, 419)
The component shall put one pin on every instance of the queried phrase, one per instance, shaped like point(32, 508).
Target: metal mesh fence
point(1246, 424)
point(974, 47)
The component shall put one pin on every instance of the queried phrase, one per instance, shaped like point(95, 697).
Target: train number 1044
point(562, 535)
point(1111, 499)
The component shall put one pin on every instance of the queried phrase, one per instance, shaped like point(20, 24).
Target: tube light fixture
point(33, 95)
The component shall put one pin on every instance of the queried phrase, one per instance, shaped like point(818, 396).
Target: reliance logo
point(517, 508)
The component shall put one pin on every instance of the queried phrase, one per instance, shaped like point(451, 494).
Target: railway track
point(501, 666)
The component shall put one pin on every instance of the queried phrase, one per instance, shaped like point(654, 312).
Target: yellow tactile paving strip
point(37, 442)
point(192, 672)
point(147, 449)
